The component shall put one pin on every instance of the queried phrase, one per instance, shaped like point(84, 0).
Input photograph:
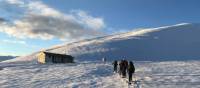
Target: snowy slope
point(172, 74)
point(79, 75)
point(164, 43)
point(176, 42)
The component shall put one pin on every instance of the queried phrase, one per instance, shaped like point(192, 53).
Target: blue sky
point(135, 13)
point(28, 26)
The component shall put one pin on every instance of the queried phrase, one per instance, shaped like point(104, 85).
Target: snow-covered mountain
point(2, 58)
point(176, 42)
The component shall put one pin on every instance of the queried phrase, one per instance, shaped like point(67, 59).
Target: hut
point(47, 57)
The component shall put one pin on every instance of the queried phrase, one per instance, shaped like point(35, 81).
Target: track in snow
point(80, 75)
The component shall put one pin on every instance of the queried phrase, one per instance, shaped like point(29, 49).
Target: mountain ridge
point(176, 42)
point(3, 58)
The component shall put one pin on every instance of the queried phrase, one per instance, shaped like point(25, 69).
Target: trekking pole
point(137, 83)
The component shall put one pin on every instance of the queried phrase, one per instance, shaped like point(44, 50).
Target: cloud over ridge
point(43, 22)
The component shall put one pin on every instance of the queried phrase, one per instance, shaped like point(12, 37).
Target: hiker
point(120, 67)
point(115, 66)
point(104, 60)
point(131, 70)
point(124, 68)
point(126, 64)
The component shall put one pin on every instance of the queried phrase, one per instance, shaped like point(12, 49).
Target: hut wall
point(48, 58)
point(41, 57)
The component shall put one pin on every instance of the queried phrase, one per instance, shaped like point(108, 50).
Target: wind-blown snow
point(177, 42)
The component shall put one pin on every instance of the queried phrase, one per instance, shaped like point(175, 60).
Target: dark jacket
point(131, 68)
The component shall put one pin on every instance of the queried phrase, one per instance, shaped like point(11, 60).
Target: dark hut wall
point(55, 58)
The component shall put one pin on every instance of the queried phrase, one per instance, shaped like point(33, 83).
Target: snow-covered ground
point(171, 74)
point(78, 75)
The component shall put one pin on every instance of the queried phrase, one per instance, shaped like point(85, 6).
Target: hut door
point(54, 59)
point(62, 60)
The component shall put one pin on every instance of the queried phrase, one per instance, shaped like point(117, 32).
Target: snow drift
point(176, 42)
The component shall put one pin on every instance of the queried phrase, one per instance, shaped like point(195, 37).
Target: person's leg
point(130, 77)
point(114, 68)
point(119, 72)
point(123, 73)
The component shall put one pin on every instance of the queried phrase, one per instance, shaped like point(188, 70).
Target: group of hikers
point(123, 67)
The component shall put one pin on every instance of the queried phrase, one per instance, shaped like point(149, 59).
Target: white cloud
point(92, 22)
point(15, 2)
point(42, 9)
point(14, 41)
point(41, 21)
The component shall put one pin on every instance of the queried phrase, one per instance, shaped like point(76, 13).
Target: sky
point(27, 26)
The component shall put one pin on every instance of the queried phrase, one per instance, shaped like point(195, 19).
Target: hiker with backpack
point(131, 70)
point(124, 66)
